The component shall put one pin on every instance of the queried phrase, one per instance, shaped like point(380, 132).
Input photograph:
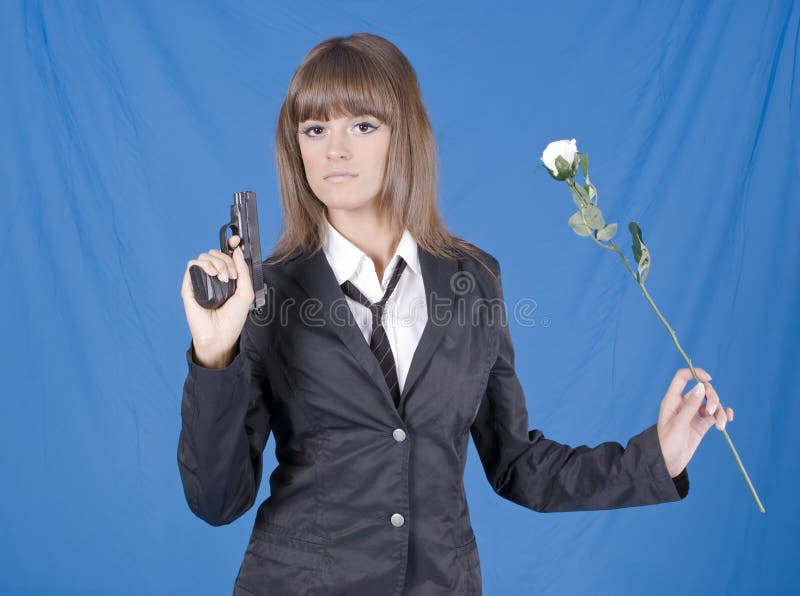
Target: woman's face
point(357, 145)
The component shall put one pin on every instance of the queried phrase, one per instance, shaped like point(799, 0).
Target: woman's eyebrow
point(356, 117)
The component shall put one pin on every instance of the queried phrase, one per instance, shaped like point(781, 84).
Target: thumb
point(242, 271)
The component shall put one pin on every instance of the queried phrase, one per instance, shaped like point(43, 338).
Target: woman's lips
point(340, 178)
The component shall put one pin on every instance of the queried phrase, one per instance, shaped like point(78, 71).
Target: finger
point(206, 264)
point(187, 289)
point(186, 285)
point(721, 418)
point(691, 403)
point(229, 264)
point(713, 408)
point(682, 377)
point(712, 399)
point(720, 413)
point(233, 241)
point(219, 265)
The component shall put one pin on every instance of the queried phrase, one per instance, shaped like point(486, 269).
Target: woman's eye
point(310, 128)
point(315, 131)
point(360, 124)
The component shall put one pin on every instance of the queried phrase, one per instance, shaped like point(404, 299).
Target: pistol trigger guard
point(223, 238)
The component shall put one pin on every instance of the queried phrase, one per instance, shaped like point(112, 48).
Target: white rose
point(566, 149)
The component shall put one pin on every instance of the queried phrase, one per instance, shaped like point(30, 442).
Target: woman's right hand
point(215, 332)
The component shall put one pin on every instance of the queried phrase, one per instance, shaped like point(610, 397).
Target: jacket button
point(399, 435)
point(398, 520)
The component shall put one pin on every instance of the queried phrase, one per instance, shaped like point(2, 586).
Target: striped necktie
point(379, 342)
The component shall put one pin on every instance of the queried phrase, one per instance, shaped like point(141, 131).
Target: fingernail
point(699, 389)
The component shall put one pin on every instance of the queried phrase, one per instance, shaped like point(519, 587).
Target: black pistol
point(209, 290)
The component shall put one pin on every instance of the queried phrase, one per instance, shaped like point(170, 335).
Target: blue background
point(125, 128)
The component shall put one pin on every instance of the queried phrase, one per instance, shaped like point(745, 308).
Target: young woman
point(384, 348)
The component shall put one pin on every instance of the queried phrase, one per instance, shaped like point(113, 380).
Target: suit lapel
point(317, 279)
point(437, 275)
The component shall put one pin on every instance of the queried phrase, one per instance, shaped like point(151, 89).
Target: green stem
point(613, 247)
point(691, 367)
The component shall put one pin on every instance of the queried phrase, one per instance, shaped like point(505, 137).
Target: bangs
point(342, 82)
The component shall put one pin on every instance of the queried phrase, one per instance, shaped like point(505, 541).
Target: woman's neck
point(369, 232)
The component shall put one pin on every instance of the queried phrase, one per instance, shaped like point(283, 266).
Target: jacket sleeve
point(225, 416)
point(541, 474)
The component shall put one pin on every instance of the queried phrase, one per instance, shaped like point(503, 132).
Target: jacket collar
point(345, 257)
point(318, 280)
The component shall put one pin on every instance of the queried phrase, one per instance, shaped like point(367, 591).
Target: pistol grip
point(209, 290)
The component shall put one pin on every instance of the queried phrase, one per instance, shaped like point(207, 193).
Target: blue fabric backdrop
point(126, 127)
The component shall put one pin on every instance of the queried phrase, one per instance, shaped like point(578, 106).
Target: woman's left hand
point(683, 420)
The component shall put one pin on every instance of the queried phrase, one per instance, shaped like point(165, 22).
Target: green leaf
point(577, 197)
point(585, 165)
point(640, 252)
point(592, 192)
point(607, 233)
point(576, 162)
point(553, 176)
point(644, 264)
point(582, 192)
point(563, 166)
point(636, 233)
point(578, 225)
point(593, 217)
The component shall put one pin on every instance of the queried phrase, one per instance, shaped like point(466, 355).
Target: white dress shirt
point(405, 313)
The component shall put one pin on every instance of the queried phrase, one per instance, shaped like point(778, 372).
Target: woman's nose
point(338, 144)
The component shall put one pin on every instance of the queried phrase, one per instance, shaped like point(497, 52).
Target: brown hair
point(363, 74)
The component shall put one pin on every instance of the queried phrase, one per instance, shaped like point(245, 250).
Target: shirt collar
point(345, 257)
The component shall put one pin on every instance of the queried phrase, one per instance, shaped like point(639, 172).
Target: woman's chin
point(345, 203)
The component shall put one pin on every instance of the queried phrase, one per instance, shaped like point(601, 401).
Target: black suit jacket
point(368, 498)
